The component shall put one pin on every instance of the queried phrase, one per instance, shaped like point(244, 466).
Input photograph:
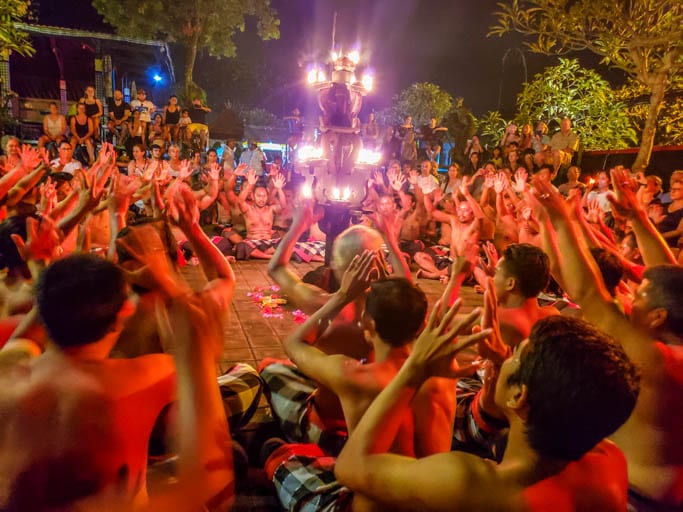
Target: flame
point(347, 194)
point(336, 194)
point(306, 191)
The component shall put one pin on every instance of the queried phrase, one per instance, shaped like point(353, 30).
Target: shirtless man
point(258, 216)
point(291, 390)
point(555, 457)
point(652, 338)
point(73, 419)
point(521, 274)
point(395, 311)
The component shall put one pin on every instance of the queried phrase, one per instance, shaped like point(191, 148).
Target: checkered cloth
point(244, 249)
point(241, 390)
point(305, 251)
point(440, 254)
point(305, 481)
point(291, 394)
point(470, 432)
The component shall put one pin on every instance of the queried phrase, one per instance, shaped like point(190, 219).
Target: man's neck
point(95, 351)
point(517, 301)
point(385, 352)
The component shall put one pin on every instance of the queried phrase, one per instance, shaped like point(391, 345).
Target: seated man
point(197, 113)
point(522, 273)
point(74, 420)
point(258, 216)
point(66, 162)
point(293, 396)
point(563, 144)
point(395, 311)
point(119, 112)
point(556, 456)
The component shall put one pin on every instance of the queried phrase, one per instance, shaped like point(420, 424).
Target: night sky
point(406, 41)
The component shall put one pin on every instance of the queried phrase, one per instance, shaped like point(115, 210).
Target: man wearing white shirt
point(254, 158)
point(66, 162)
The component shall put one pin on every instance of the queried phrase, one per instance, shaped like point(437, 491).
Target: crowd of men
point(564, 391)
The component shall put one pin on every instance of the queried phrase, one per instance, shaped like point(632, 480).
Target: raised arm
point(305, 296)
point(246, 190)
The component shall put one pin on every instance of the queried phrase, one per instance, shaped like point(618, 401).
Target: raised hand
point(550, 198)
point(215, 172)
point(490, 180)
point(279, 181)
point(241, 170)
point(398, 182)
point(435, 349)
point(624, 200)
point(465, 185)
point(251, 177)
point(30, 158)
point(492, 347)
point(42, 240)
point(185, 170)
point(595, 213)
point(186, 211)
point(491, 257)
point(360, 273)
point(500, 183)
point(521, 177)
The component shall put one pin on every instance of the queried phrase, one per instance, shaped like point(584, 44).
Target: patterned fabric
point(246, 247)
point(241, 390)
point(305, 251)
point(288, 391)
point(441, 255)
point(471, 433)
point(307, 483)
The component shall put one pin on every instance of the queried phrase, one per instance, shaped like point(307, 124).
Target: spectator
point(198, 115)
point(254, 158)
point(54, 127)
point(119, 113)
point(563, 145)
point(93, 109)
point(171, 118)
point(146, 108)
point(66, 162)
point(82, 132)
point(573, 175)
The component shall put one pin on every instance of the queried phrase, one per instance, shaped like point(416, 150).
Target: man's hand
point(241, 170)
point(30, 158)
point(121, 191)
point(42, 240)
point(251, 177)
point(358, 276)
point(185, 170)
point(279, 181)
point(624, 200)
point(435, 349)
point(398, 182)
point(186, 211)
point(554, 203)
point(465, 186)
point(492, 347)
point(521, 177)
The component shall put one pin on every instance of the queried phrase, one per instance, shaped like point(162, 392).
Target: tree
point(644, 38)
point(423, 101)
point(582, 95)
point(461, 125)
point(491, 127)
point(13, 39)
point(199, 24)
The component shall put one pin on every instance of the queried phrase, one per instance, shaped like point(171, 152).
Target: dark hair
point(581, 387)
point(78, 299)
point(530, 267)
point(9, 255)
point(666, 291)
point(164, 232)
point(611, 269)
point(544, 167)
point(398, 308)
point(212, 150)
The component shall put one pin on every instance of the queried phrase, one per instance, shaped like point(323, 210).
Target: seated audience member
point(171, 119)
point(184, 123)
point(119, 112)
point(649, 191)
point(75, 421)
point(54, 127)
point(93, 109)
point(651, 336)
point(66, 162)
point(563, 144)
point(197, 113)
point(521, 274)
point(82, 131)
point(12, 155)
point(157, 132)
point(573, 175)
point(258, 216)
point(296, 400)
point(395, 311)
point(669, 218)
point(556, 454)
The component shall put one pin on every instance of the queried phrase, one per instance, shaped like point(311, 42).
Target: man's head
point(573, 173)
point(156, 152)
point(523, 270)
point(565, 125)
point(260, 196)
point(351, 242)
point(658, 302)
point(197, 102)
point(66, 152)
point(395, 311)
point(570, 384)
point(610, 268)
point(425, 167)
point(118, 95)
point(545, 172)
point(464, 213)
point(386, 204)
point(80, 300)
point(142, 94)
point(628, 248)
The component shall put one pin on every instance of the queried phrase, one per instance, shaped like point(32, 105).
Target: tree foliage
point(582, 95)
point(13, 39)
point(200, 24)
point(491, 128)
point(461, 124)
point(423, 101)
point(644, 38)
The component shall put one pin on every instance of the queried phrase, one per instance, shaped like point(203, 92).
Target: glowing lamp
point(305, 153)
point(369, 157)
point(334, 55)
point(354, 56)
point(368, 81)
point(312, 76)
point(321, 76)
point(306, 191)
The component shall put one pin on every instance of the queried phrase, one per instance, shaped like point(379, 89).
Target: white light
point(347, 194)
point(309, 153)
point(353, 79)
point(306, 191)
point(368, 156)
point(322, 77)
point(354, 56)
point(334, 55)
point(336, 194)
point(312, 76)
point(368, 81)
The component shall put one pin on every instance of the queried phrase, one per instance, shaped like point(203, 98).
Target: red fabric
point(597, 481)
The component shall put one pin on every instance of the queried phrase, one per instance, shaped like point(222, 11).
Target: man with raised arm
point(651, 438)
point(394, 314)
point(556, 456)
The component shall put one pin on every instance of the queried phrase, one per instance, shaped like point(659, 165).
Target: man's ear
point(657, 317)
point(369, 327)
point(124, 314)
point(516, 400)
